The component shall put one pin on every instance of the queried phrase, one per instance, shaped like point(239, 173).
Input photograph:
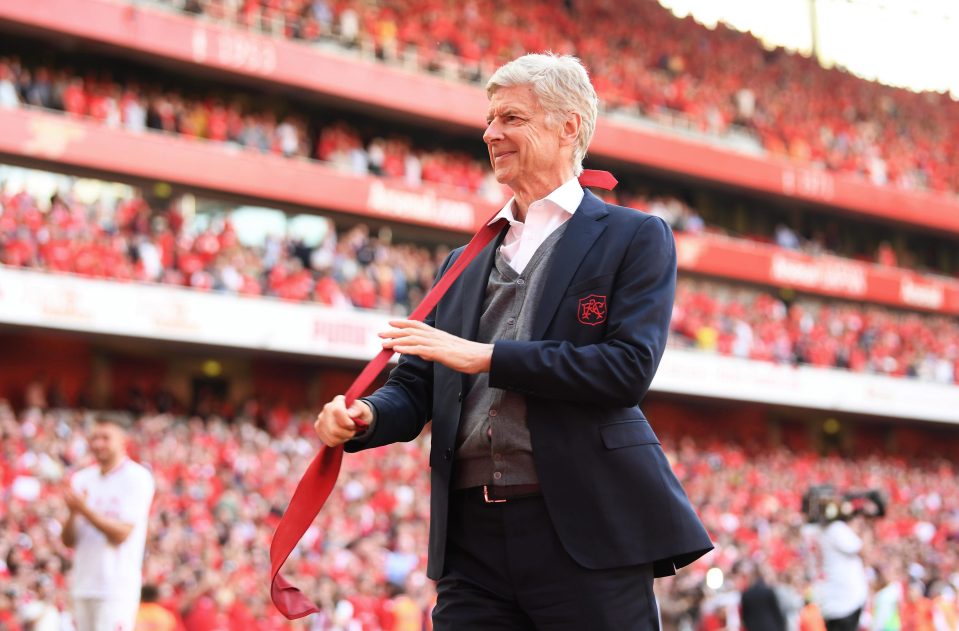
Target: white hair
point(562, 85)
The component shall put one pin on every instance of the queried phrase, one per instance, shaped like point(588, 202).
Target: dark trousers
point(506, 569)
point(849, 623)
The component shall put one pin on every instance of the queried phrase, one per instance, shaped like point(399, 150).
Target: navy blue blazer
point(597, 339)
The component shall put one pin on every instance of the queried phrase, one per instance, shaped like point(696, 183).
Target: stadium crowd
point(220, 488)
point(368, 148)
point(222, 484)
point(361, 268)
point(651, 64)
point(239, 119)
point(755, 324)
point(132, 242)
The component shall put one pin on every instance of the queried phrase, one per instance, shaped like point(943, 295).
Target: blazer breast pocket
point(590, 285)
point(627, 434)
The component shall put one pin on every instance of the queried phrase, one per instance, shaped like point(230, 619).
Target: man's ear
point(570, 130)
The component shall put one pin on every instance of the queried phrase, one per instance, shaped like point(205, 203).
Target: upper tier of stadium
point(650, 64)
point(90, 88)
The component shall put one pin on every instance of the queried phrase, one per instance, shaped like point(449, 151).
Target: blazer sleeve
point(617, 371)
point(404, 404)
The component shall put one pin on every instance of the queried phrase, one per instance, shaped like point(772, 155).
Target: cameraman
point(843, 589)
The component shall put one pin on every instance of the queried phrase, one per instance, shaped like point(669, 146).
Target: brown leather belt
point(499, 494)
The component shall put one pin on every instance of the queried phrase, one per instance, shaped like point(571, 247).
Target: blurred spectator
point(888, 599)
point(8, 90)
point(786, 238)
point(152, 616)
point(810, 618)
point(844, 588)
point(886, 255)
point(759, 604)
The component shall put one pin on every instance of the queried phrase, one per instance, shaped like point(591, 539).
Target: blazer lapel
point(582, 231)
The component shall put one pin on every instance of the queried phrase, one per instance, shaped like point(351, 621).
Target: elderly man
point(553, 505)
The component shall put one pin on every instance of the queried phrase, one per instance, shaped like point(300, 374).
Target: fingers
point(415, 341)
point(416, 338)
point(411, 337)
point(410, 324)
point(396, 340)
point(403, 328)
point(334, 425)
point(360, 411)
point(71, 498)
point(420, 350)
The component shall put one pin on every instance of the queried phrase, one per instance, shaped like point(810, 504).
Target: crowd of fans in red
point(220, 488)
point(351, 268)
point(237, 119)
point(221, 485)
point(646, 61)
point(363, 269)
point(212, 116)
point(749, 498)
point(755, 324)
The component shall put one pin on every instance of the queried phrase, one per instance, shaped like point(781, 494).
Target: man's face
point(523, 143)
point(106, 442)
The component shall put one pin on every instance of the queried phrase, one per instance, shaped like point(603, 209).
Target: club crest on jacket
point(592, 309)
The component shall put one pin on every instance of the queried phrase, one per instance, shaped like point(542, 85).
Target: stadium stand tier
point(651, 64)
point(361, 269)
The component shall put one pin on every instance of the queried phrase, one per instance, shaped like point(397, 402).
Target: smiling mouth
point(503, 155)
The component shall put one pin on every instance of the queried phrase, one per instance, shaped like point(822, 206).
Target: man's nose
point(492, 133)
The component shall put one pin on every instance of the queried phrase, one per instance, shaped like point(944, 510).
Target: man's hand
point(73, 500)
point(334, 425)
point(410, 337)
point(113, 529)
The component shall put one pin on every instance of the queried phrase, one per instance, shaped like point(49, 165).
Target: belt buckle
point(488, 499)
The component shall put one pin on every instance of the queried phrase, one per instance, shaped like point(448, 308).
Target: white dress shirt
point(542, 217)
